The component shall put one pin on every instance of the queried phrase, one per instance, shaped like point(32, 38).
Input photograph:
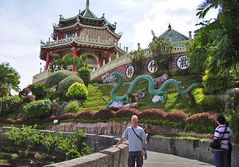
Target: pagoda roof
point(88, 13)
point(86, 17)
point(173, 35)
point(70, 42)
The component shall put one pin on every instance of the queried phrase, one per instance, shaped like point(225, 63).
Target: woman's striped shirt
point(219, 131)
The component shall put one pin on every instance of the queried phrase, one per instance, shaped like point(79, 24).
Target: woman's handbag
point(216, 143)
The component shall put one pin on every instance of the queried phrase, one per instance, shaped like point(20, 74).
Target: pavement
point(167, 160)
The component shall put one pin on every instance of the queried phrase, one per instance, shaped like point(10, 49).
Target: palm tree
point(10, 79)
point(69, 59)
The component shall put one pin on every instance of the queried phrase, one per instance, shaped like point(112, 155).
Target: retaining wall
point(106, 156)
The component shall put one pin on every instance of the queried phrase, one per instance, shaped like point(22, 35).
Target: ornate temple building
point(84, 34)
point(95, 38)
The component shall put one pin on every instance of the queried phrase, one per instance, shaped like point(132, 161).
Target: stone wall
point(109, 128)
point(193, 149)
point(111, 157)
point(106, 156)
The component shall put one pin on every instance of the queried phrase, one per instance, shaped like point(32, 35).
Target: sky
point(24, 23)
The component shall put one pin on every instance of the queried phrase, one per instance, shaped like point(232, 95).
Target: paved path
point(168, 160)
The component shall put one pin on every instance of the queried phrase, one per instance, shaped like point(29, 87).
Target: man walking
point(137, 140)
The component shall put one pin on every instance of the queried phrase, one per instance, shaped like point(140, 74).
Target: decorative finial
point(79, 11)
point(115, 23)
point(103, 15)
point(154, 36)
point(87, 4)
point(169, 26)
point(60, 16)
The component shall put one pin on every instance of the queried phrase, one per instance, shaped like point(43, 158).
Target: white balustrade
point(41, 76)
point(80, 39)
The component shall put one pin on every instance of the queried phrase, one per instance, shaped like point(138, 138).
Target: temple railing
point(125, 59)
point(41, 76)
point(81, 40)
point(178, 47)
point(111, 65)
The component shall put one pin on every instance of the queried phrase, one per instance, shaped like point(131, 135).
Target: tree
point(200, 47)
point(137, 59)
point(84, 74)
point(161, 50)
point(9, 78)
point(68, 59)
point(214, 51)
point(222, 50)
point(228, 25)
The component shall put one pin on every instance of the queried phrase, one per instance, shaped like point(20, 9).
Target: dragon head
point(114, 75)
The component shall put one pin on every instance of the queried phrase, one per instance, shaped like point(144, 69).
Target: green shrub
point(39, 90)
point(72, 145)
point(51, 94)
point(84, 73)
point(211, 103)
point(216, 83)
point(67, 82)
point(57, 77)
point(38, 109)
point(26, 136)
point(72, 106)
point(77, 91)
point(10, 104)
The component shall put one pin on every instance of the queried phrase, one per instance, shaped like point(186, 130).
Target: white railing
point(41, 76)
point(80, 39)
point(125, 59)
point(111, 65)
point(179, 47)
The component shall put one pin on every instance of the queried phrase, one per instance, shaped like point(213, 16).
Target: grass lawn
point(98, 92)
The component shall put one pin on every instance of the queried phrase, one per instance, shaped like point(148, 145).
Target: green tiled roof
point(173, 35)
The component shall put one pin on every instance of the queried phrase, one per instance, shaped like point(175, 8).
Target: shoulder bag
point(143, 149)
point(216, 143)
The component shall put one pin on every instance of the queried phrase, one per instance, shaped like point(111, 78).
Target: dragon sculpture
point(151, 89)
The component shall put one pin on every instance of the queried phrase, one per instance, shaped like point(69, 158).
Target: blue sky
point(25, 22)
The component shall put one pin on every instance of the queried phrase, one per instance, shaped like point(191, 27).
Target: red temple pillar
point(48, 57)
point(100, 60)
point(75, 54)
point(108, 54)
point(61, 56)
